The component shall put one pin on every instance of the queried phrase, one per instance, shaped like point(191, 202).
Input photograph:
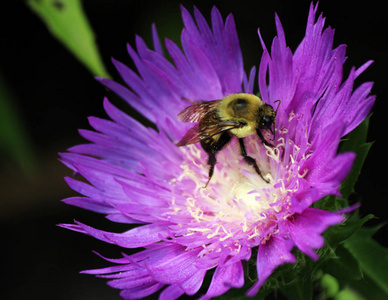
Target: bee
point(239, 115)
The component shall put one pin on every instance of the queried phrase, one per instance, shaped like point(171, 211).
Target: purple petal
point(281, 73)
point(306, 229)
point(114, 156)
point(305, 196)
point(263, 71)
point(141, 291)
point(234, 53)
point(171, 292)
point(126, 219)
point(84, 188)
point(249, 82)
point(185, 70)
point(132, 282)
point(137, 84)
point(173, 267)
point(124, 120)
point(117, 271)
point(156, 41)
point(325, 145)
point(363, 67)
point(349, 209)
point(194, 283)
point(224, 278)
point(101, 174)
point(271, 255)
point(134, 238)
point(340, 167)
point(91, 204)
point(130, 97)
point(203, 68)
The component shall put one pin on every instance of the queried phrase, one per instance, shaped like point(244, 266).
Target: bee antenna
point(276, 111)
point(273, 124)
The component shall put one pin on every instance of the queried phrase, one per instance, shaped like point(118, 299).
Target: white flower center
point(236, 198)
point(237, 203)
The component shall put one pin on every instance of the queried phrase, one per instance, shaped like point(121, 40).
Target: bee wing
point(213, 129)
point(195, 134)
point(191, 136)
point(195, 112)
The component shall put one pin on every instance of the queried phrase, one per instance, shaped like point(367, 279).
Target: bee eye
point(266, 122)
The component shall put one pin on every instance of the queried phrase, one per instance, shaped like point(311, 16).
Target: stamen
point(303, 174)
point(291, 116)
point(237, 200)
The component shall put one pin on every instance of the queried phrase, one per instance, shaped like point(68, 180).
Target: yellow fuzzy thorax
point(244, 131)
point(248, 114)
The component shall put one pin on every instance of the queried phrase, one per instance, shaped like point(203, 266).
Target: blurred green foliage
point(68, 23)
point(13, 137)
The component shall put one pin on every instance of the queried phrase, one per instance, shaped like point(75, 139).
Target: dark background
point(54, 94)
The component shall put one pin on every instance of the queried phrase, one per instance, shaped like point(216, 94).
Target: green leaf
point(347, 186)
point(67, 22)
point(372, 257)
point(237, 294)
point(356, 137)
point(367, 288)
point(343, 265)
point(355, 142)
point(299, 289)
point(13, 138)
point(334, 235)
point(331, 203)
point(348, 294)
point(329, 285)
point(371, 230)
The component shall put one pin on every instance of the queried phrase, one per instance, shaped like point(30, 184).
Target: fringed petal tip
point(362, 68)
point(349, 209)
point(73, 227)
point(306, 229)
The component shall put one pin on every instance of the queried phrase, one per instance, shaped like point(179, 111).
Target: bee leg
point(211, 162)
point(249, 160)
point(262, 138)
point(211, 147)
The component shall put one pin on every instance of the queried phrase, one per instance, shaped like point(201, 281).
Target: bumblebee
point(239, 115)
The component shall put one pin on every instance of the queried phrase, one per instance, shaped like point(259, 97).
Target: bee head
point(266, 116)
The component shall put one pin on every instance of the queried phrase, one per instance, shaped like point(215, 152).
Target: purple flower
point(137, 175)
